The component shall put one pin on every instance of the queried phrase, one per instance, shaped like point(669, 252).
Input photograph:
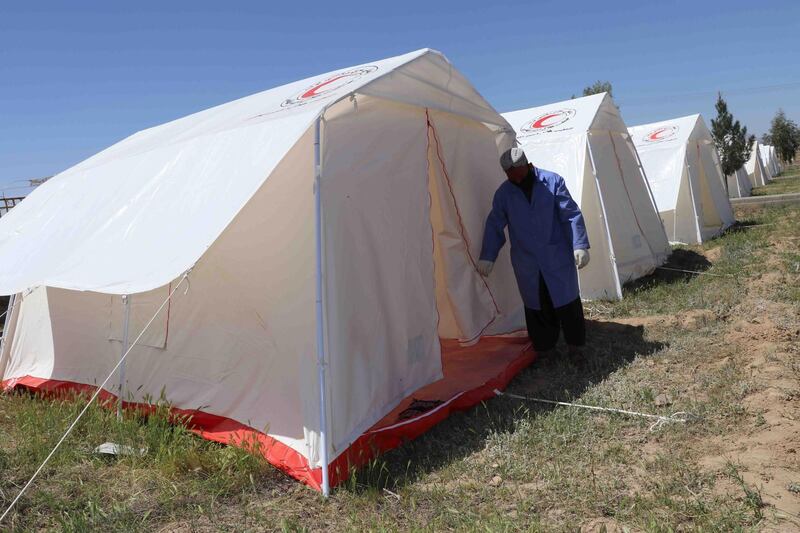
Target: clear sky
point(77, 76)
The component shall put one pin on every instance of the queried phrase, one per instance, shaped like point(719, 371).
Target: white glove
point(581, 258)
point(485, 268)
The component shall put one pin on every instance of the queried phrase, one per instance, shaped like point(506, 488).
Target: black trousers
point(544, 326)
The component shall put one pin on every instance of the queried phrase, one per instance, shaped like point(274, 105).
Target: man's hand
point(581, 258)
point(485, 268)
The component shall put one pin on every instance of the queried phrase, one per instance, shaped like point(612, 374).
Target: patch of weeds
point(752, 496)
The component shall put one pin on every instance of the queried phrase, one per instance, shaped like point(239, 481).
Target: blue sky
point(75, 77)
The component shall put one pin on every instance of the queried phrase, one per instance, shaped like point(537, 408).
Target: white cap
point(513, 157)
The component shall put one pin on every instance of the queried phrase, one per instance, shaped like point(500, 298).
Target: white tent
point(586, 142)
point(330, 227)
point(770, 160)
point(682, 166)
point(755, 167)
point(766, 162)
point(739, 184)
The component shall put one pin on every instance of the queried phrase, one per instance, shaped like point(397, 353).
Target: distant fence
point(7, 203)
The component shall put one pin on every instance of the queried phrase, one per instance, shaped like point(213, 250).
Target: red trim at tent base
point(471, 373)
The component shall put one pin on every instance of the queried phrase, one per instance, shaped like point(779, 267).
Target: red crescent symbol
point(655, 135)
point(540, 123)
point(313, 91)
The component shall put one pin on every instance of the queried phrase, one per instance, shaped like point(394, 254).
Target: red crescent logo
point(540, 123)
point(661, 134)
point(328, 87)
point(313, 91)
point(545, 122)
point(655, 135)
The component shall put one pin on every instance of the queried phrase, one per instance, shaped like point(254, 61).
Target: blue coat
point(543, 232)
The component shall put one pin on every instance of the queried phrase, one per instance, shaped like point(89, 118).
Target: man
point(548, 241)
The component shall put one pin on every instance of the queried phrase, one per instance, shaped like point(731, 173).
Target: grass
point(506, 465)
point(787, 182)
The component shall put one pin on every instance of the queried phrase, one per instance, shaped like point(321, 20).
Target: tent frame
point(320, 312)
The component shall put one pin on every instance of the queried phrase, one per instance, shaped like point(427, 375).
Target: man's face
point(517, 174)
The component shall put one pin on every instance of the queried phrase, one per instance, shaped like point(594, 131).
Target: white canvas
point(739, 184)
point(755, 167)
point(682, 166)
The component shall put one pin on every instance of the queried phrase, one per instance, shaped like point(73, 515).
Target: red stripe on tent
point(470, 376)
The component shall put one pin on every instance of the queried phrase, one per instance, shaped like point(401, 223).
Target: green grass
point(787, 182)
point(559, 469)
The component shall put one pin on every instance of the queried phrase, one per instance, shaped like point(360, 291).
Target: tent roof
point(555, 121)
point(668, 134)
point(138, 214)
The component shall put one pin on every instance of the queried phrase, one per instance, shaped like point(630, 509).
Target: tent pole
point(323, 409)
point(613, 258)
point(126, 303)
point(9, 310)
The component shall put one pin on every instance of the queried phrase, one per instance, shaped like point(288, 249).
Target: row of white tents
point(328, 229)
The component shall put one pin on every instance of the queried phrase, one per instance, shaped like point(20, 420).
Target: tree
point(597, 87)
point(733, 144)
point(785, 136)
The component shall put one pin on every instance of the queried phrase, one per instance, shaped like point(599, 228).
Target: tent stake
point(126, 302)
point(323, 408)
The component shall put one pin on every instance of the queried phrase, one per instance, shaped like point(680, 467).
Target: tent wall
point(739, 184)
point(379, 278)
point(464, 175)
point(598, 280)
point(239, 343)
point(639, 241)
point(755, 169)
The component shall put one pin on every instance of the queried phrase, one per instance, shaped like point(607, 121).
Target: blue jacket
point(543, 233)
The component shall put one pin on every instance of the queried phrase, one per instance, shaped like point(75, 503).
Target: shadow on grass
point(610, 346)
point(674, 270)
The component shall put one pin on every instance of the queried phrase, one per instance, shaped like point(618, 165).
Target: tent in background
point(769, 170)
point(586, 142)
point(682, 166)
point(328, 229)
point(770, 157)
point(755, 167)
point(739, 184)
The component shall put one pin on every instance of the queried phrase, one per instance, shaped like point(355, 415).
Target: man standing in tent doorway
point(548, 245)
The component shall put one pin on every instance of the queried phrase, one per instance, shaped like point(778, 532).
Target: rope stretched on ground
point(680, 416)
point(91, 400)
point(695, 272)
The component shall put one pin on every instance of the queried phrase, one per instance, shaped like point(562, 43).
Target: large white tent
point(682, 166)
point(329, 229)
point(586, 142)
point(755, 167)
point(739, 185)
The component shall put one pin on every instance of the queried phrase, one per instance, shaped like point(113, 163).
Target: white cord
point(92, 399)
point(680, 416)
point(695, 272)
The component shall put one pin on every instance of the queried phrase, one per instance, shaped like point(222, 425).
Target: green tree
point(597, 87)
point(785, 136)
point(733, 144)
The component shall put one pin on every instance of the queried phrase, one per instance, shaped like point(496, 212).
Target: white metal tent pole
point(7, 322)
point(126, 302)
point(613, 258)
point(323, 389)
